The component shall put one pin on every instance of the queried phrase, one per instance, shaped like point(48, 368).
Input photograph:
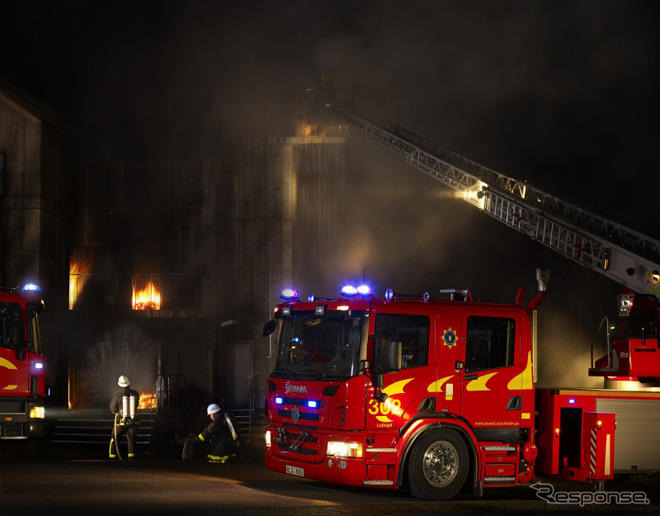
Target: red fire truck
point(437, 395)
point(22, 364)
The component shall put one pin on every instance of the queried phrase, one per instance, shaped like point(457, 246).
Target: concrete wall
point(35, 190)
point(20, 200)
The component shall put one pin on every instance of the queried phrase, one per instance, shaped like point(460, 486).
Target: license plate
point(293, 470)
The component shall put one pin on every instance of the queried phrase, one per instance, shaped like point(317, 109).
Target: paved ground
point(97, 487)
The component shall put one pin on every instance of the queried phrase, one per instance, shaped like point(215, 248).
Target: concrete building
point(35, 183)
point(218, 240)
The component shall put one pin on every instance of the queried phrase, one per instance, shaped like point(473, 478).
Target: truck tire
point(438, 466)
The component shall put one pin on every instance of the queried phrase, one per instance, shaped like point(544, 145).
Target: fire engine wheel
point(438, 466)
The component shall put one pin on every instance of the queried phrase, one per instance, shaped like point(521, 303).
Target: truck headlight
point(267, 437)
point(37, 412)
point(343, 449)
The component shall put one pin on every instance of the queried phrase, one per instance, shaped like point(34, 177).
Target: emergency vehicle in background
point(440, 394)
point(22, 364)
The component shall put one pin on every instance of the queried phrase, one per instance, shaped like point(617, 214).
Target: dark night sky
point(563, 94)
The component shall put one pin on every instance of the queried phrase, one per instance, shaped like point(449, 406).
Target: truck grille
point(296, 442)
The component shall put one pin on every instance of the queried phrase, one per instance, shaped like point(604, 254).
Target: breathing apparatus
point(128, 405)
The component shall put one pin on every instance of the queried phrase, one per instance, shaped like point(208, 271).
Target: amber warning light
point(147, 298)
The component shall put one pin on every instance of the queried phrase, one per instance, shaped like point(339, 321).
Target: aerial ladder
point(621, 254)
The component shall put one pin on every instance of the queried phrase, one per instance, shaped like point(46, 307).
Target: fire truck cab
point(22, 365)
point(429, 394)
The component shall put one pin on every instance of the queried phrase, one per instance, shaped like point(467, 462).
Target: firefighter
point(220, 434)
point(124, 406)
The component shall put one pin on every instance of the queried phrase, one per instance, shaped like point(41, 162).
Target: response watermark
point(547, 493)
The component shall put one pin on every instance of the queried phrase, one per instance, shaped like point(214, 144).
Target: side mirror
point(378, 387)
point(269, 327)
point(387, 355)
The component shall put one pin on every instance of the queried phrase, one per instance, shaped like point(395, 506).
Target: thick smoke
point(126, 350)
point(561, 94)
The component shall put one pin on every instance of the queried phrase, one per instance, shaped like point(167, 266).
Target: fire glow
point(148, 401)
point(146, 299)
point(77, 278)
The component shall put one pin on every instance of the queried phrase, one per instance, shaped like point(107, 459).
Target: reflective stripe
point(110, 454)
point(201, 437)
point(131, 455)
point(231, 427)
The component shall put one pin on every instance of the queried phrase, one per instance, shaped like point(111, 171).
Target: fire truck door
point(490, 395)
point(405, 389)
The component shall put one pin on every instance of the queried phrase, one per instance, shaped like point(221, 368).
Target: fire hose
point(114, 436)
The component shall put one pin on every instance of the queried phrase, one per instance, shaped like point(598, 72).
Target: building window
point(490, 342)
point(412, 331)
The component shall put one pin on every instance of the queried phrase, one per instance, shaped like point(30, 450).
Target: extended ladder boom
point(622, 254)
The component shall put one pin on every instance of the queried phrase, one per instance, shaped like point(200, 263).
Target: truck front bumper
point(335, 470)
point(16, 427)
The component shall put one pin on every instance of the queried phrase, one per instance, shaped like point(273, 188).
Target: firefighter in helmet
point(220, 434)
point(124, 407)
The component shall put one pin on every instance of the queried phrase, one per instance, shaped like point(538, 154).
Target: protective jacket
point(222, 430)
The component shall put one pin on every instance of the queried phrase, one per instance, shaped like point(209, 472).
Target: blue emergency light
point(289, 294)
point(365, 291)
point(348, 291)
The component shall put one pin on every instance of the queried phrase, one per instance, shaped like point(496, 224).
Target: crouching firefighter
point(220, 434)
point(123, 406)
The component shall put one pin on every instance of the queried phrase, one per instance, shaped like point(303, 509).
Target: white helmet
point(213, 408)
point(123, 381)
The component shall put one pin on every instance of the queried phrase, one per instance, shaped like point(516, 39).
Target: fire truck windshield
point(12, 335)
point(321, 347)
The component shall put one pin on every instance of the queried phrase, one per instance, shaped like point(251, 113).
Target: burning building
point(178, 264)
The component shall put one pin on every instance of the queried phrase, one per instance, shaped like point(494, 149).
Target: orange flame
point(77, 280)
point(146, 299)
point(147, 401)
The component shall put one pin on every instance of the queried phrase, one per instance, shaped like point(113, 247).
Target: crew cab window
point(11, 326)
point(490, 343)
point(412, 331)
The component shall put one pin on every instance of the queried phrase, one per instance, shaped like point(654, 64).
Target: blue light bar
point(31, 287)
point(348, 291)
point(389, 294)
point(312, 403)
point(571, 401)
point(289, 294)
point(279, 400)
point(310, 298)
point(365, 291)
point(38, 365)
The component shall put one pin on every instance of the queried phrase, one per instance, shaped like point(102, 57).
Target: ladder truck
point(621, 254)
point(439, 395)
